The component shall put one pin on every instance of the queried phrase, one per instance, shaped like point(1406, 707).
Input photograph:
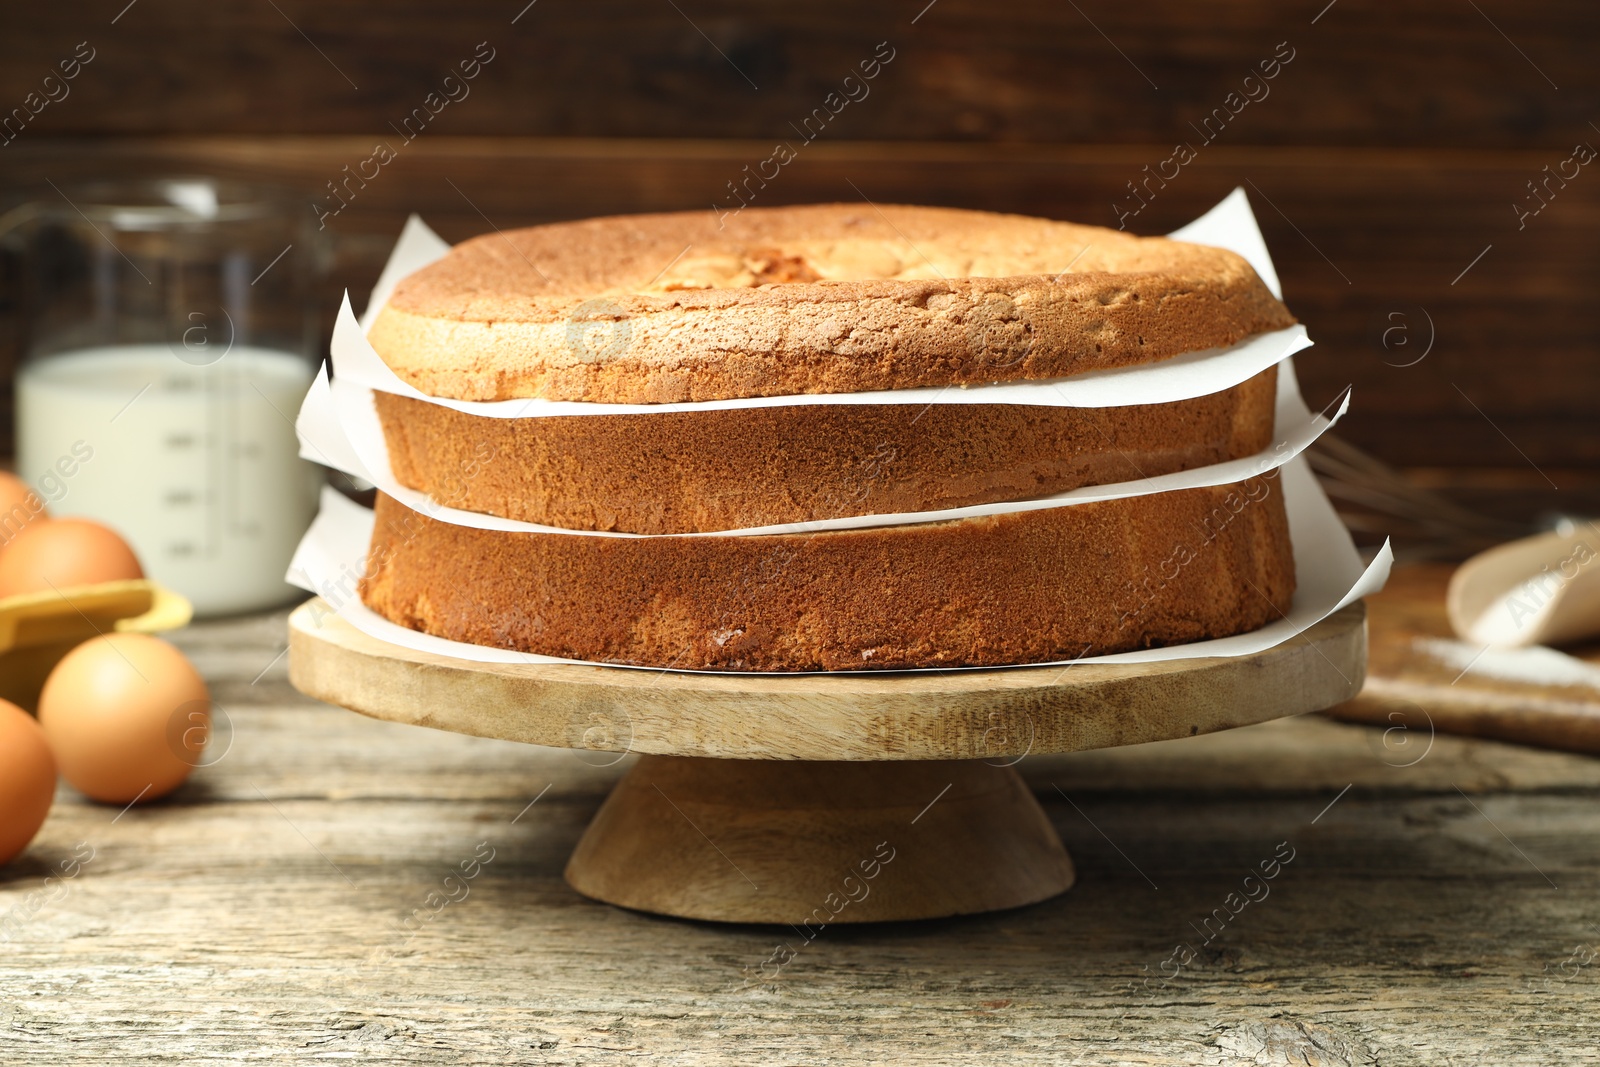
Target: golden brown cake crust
point(1028, 587)
point(685, 472)
point(820, 299)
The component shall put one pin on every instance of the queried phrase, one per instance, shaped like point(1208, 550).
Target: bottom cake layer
point(1028, 587)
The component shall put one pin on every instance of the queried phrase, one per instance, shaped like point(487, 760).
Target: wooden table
point(279, 907)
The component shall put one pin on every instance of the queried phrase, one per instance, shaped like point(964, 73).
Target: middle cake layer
point(700, 471)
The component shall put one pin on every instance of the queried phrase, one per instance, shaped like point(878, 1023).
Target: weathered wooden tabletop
point(291, 903)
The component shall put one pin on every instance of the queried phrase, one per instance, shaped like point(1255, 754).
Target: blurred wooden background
point(1387, 157)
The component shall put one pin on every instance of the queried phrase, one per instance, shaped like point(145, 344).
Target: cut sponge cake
point(1028, 587)
point(821, 299)
point(825, 299)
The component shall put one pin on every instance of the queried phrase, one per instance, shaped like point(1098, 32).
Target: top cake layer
point(821, 299)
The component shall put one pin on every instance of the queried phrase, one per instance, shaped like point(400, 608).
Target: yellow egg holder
point(37, 629)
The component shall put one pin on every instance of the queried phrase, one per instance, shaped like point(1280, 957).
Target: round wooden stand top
point(993, 714)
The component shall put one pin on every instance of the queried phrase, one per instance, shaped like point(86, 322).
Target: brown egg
point(63, 553)
point(27, 780)
point(127, 716)
point(19, 506)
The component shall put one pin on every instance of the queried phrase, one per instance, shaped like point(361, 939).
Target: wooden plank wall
point(1385, 157)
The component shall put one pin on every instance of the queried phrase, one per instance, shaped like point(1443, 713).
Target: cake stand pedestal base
point(813, 844)
point(822, 799)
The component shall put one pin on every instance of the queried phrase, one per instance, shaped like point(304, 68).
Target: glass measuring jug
point(167, 334)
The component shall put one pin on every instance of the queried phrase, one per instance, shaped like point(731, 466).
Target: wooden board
point(1363, 72)
point(1396, 148)
point(1410, 687)
point(863, 716)
point(1357, 233)
point(265, 911)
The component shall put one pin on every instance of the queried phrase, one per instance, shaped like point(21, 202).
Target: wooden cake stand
point(817, 799)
